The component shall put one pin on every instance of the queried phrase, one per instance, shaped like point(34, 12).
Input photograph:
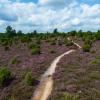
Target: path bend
point(46, 83)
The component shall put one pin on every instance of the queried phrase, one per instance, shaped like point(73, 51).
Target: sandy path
point(44, 89)
point(46, 83)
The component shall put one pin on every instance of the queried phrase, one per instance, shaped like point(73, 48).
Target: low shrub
point(32, 45)
point(86, 48)
point(68, 43)
point(29, 80)
point(5, 76)
point(15, 61)
point(25, 39)
point(35, 51)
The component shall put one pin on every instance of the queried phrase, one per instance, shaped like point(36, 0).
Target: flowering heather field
point(78, 75)
point(28, 56)
point(38, 64)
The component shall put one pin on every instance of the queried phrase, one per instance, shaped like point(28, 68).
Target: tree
point(35, 32)
point(80, 33)
point(55, 30)
point(19, 33)
point(97, 35)
point(73, 33)
point(10, 32)
point(8, 29)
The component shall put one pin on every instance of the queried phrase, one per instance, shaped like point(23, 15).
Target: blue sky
point(26, 1)
point(45, 15)
point(90, 2)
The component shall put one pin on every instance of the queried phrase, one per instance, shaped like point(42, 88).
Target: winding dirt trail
point(46, 83)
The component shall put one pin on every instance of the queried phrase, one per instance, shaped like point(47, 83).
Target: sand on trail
point(45, 87)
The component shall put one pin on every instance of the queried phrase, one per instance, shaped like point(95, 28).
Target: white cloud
point(55, 4)
point(41, 16)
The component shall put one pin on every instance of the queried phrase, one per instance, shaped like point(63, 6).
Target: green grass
point(96, 61)
point(67, 96)
point(95, 75)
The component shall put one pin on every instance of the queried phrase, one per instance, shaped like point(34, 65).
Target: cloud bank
point(45, 15)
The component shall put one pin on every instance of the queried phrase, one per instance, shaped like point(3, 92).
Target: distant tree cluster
point(6, 39)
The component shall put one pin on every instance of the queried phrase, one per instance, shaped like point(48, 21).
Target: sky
point(46, 15)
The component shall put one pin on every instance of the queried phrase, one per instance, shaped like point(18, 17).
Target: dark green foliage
point(26, 39)
point(97, 35)
point(35, 32)
point(5, 76)
point(32, 45)
point(10, 32)
point(19, 33)
point(68, 43)
point(96, 61)
point(8, 29)
point(35, 51)
point(29, 80)
point(55, 31)
point(86, 48)
point(73, 33)
point(35, 48)
point(6, 42)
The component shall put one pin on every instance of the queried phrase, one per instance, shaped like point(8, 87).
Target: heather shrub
point(88, 41)
point(5, 76)
point(6, 42)
point(35, 48)
point(15, 61)
point(68, 43)
point(29, 80)
point(86, 48)
point(32, 45)
point(25, 39)
point(35, 51)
